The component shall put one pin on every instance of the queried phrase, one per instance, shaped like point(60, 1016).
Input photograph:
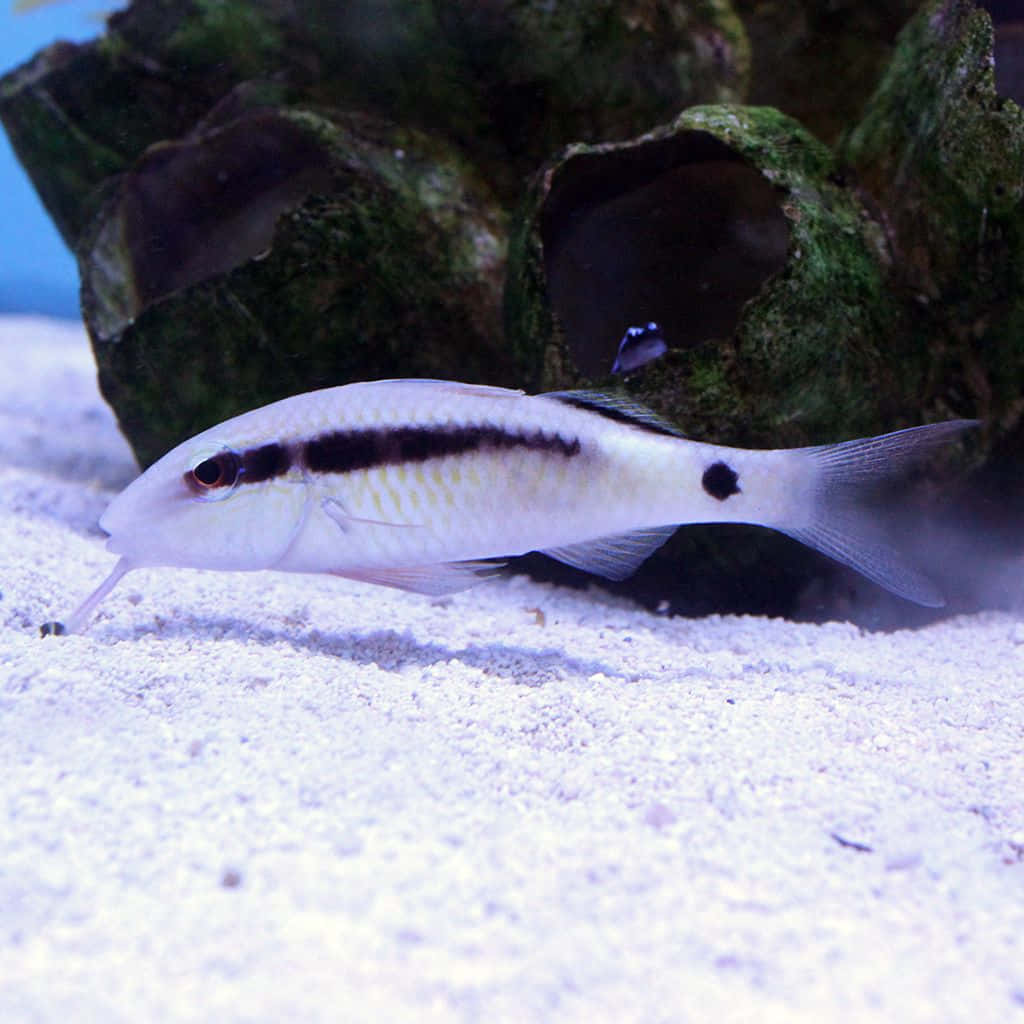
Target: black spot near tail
point(720, 480)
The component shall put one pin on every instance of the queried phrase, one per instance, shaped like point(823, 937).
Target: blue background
point(37, 272)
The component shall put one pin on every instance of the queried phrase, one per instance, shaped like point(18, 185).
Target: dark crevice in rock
point(194, 209)
point(680, 231)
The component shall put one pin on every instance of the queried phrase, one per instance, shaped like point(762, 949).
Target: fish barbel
point(416, 483)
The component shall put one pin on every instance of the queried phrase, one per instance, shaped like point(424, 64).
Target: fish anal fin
point(432, 580)
point(616, 557)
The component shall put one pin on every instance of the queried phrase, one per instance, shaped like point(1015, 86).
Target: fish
point(639, 346)
point(422, 484)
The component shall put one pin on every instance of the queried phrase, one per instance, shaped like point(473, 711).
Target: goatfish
point(419, 484)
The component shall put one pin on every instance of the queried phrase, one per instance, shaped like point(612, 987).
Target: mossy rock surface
point(371, 251)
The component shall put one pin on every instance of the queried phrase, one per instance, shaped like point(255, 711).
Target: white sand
point(521, 804)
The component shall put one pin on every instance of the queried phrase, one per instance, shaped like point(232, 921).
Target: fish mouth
point(133, 518)
point(116, 548)
point(113, 523)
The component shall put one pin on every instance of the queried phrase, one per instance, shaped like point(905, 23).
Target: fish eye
point(216, 475)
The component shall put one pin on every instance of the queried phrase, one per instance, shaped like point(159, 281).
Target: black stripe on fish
point(264, 463)
point(348, 451)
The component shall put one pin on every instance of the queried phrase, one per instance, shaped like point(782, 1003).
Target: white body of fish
point(412, 483)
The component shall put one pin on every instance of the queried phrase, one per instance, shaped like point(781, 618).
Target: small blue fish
point(415, 484)
point(639, 345)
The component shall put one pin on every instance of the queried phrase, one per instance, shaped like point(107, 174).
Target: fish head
point(214, 502)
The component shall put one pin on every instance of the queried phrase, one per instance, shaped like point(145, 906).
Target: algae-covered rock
point(553, 73)
point(942, 155)
point(506, 82)
point(282, 251)
point(819, 62)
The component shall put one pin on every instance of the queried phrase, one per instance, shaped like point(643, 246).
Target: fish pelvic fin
point(849, 523)
point(431, 580)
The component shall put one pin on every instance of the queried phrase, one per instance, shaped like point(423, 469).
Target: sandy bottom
point(251, 797)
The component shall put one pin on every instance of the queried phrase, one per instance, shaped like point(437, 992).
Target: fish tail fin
point(847, 521)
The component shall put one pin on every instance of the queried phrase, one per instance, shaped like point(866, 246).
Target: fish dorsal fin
point(618, 407)
point(432, 580)
point(453, 387)
point(615, 557)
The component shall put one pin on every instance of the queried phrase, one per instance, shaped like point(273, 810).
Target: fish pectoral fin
point(615, 557)
point(432, 580)
point(336, 511)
